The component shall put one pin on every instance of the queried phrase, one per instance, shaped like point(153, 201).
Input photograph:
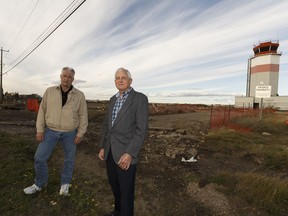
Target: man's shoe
point(64, 190)
point(32, 189)
point(114, 213)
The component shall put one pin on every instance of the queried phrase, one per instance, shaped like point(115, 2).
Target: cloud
point(171, 49)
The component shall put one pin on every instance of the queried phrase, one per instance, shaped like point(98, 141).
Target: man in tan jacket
point(62, 117)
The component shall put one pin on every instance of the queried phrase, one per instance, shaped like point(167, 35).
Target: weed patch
point(17, 172)
point(267, 190)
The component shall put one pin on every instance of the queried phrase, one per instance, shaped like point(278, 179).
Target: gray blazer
point(129, 130)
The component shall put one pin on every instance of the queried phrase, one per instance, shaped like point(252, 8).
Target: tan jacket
point(67, 118)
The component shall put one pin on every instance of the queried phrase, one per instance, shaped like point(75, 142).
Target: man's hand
point(77, 140)
point(39, 136)
point(125, 161)
point(101, 154)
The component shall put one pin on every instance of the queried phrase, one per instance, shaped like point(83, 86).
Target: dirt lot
point(165, 185)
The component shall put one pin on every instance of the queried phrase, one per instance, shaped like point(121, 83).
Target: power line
point(11, 15)
point(46, 31)
point(24, 25)
point(45, 34)
point(19, 20)
point(48, 34)
point(41, 14)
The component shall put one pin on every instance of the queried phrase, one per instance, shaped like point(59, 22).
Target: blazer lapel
point(112, 104)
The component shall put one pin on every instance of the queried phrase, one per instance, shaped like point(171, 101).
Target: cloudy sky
point(178, 51)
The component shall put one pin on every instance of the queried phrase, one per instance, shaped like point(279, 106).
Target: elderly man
point(62, 117)
point(123, 133)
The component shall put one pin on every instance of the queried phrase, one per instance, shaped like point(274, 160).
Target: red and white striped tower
point(263, 68)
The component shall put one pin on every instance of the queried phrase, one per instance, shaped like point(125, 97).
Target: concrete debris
point(192, 152)
point(192, 159)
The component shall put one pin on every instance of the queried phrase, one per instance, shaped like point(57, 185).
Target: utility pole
point(1, 75)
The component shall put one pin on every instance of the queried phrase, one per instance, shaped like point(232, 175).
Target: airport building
point(263, 78)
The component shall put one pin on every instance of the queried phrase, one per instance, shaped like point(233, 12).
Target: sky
point(178, 51)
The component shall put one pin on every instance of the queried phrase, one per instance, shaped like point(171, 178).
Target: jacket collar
point(72, 90)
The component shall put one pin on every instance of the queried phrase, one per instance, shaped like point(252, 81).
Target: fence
point(223, 116)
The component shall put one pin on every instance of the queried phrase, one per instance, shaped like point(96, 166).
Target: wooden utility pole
point(1, 69)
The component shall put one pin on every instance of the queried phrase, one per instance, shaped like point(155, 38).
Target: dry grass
point(16, 173)
point(267, 186)
point(269, 192)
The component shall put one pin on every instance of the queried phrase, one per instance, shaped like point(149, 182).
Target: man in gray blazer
point(123, 133)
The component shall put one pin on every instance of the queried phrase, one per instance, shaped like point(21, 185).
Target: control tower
point(263, 68)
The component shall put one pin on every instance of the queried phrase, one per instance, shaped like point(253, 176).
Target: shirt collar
point(72, 90)
point(125, 94)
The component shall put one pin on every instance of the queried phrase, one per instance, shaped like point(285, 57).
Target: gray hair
point(124, 70)
point(69, 69)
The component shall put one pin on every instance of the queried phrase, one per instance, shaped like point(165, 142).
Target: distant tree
point(16, 95)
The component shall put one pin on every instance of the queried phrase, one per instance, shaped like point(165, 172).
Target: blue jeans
point(44, 151)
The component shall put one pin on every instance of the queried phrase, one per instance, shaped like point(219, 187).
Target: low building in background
point(16, 101)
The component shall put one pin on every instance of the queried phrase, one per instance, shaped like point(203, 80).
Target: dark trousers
point(123, 185)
